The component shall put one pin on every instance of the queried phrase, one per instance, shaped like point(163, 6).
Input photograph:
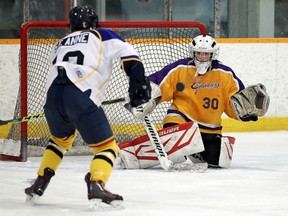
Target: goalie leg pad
point(226, 152)
point(178, 141)
point(225, 157)
point(133, 155)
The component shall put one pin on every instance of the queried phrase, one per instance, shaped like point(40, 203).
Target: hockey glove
point(146, 108)
point(139, 93)
point(251, 102)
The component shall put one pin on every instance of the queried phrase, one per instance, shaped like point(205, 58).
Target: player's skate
point(101, 199)
point(39, 186)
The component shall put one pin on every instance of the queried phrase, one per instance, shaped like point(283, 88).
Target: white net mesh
point(157, 47)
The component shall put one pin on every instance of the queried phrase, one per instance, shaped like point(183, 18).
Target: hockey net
point(158, 44)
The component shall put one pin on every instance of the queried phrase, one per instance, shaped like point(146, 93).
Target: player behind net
point(201, 89)
point(79, 74)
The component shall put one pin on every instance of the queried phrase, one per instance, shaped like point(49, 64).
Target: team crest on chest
point(197, 85)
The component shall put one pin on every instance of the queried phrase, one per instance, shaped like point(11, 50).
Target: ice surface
point(255, 185)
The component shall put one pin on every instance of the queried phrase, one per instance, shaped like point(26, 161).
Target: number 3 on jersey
point(73, 57)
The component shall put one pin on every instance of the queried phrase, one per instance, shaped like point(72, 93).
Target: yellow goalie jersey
point(198, 98)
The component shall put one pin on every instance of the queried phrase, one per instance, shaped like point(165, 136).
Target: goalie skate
point(101, 199)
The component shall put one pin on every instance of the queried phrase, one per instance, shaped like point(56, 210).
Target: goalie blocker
point(178, 141)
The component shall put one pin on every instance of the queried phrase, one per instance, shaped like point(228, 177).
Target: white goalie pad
point(178, 141)
point(226, 152)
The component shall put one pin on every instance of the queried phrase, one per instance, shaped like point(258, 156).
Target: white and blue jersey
point(87, 58)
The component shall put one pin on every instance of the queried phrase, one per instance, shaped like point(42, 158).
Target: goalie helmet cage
point(158, 44)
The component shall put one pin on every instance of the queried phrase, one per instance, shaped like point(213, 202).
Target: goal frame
point(63, 24)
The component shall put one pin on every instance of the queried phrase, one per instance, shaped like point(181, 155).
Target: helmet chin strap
point(202, 67)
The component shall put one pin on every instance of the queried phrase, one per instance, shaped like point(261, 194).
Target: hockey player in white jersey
point(79, 75)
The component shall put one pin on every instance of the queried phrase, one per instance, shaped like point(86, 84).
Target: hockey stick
point(118, 100)
point(22, 119)
point(162, 156)
point(37, 116)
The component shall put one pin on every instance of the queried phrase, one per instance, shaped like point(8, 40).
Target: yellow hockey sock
point(104, 156)
point(52, 157)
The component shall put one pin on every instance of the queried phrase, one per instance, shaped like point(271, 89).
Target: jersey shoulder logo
point(79, 72)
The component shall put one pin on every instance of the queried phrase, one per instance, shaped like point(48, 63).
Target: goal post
point(158, 44)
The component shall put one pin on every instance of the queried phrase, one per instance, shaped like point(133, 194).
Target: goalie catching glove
point(251, 102)
point(145, 109)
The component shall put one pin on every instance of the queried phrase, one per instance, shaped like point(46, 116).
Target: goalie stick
point(162, 156)
point(41, 115)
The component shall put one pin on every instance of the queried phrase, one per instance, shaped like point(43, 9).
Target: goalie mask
point(83, 17)
point(203, 50)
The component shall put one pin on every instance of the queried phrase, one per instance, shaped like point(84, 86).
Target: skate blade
point(98, 205)
point(32, 200)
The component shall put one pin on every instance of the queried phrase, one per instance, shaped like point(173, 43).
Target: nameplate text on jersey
point(70, 41)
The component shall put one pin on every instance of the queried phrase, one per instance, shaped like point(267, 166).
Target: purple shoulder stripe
point(108, 34)
point(158, 76)
point(229, 70)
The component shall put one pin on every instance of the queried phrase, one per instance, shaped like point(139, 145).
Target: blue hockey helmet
point(82, 17)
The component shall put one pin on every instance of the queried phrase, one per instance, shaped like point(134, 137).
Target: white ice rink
point(255, 185)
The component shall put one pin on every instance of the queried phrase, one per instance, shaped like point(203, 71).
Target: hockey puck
point(180, 86)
